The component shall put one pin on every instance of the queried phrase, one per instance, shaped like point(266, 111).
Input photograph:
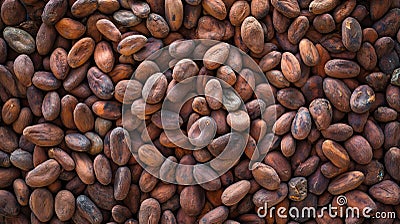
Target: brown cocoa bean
point(386, 192)
point(309, 53)
point(83, 8)
point(217, 215)
point(346, 182)
point(270, 197)
point(51, 106)
point(290, 98)
point(77, 142)
point(239, 11)
point(88, 209)
point(84, 167)
point(44, 134)
point(280, 164)
point(157, 26)
point(63, 158)
point(21, 159)
point(391, 162)
point(301, 125)
point(131, 44)
point(174, 13)
point(359, 149)
point(19, 40)
point(23, 69)
point(122, 181)
point(101, 195)
point(336, 153)
point(150, 211)
point(70, 29)
point(21, 191)
point(324, 23)
point(109, 110)
point(80, 52)
point(45, 81)
point(360, 200)
point(252, 34)
point(64, 205)
point(338, 132)
point(10, 110)
point(290, 67)
point(289, 8)
point(41, 202)
point(104, 57)
point(261, 171)
point(235, 192)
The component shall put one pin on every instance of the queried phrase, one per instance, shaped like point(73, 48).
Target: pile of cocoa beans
point(329, 127)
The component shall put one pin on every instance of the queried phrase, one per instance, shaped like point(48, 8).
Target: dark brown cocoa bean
point(45, 81)
point(88, 209)
point(54, 11)
point(359, 149)
point(21, 159)
point(298, 29)
point(381, 26)
point(77, 142)
point(308, 167)
point(270, 197)
point(338, 94)
point(391, 162)
point(217, 215)
point(351, 34)
point(362, 99)
point(62, 158)
point(101, 195)
point(374, 134)
point(366, 56)
point(290, 98)
point(280, 164)
point(289, 8)
point(338, 132)
point(360, 200)
point(8, 175)
point(386, 192)
point(391, 132)
point(324, 23)
point(109, 110)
